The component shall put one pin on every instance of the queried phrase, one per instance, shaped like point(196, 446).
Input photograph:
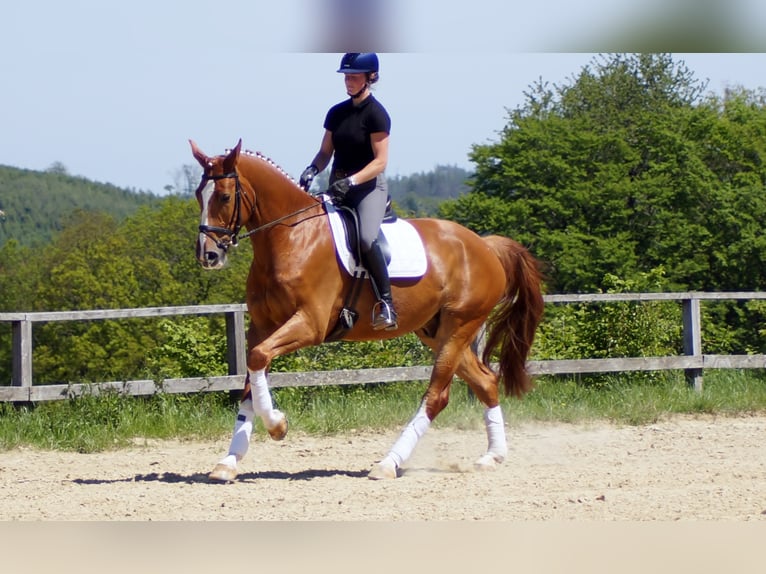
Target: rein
point(279, 220)
point(231, 231)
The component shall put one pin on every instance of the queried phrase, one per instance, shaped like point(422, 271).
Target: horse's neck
point(276, 195)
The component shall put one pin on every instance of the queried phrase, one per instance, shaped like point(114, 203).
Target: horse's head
point(221, 203)
point(231, 186)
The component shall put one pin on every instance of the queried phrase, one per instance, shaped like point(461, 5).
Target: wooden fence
point(692, 362)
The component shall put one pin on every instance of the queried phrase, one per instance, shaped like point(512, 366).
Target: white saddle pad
point(408, 255)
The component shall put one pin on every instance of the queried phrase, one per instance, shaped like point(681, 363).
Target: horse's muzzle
point(212, 260)
point(210, 255)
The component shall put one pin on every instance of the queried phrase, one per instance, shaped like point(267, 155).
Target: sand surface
point(683, 469)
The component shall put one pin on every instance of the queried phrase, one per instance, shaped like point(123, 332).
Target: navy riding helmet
point(359, 63)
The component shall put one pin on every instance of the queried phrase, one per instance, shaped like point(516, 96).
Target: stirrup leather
point(384, 316)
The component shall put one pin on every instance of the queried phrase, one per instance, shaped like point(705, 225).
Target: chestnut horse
point(296, 289)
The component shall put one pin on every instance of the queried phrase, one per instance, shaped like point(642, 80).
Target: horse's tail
point(513, 324)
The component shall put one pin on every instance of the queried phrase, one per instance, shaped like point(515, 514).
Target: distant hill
point(34, 203)
point(421, 193)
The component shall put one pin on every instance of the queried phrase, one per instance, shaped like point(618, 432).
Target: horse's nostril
point(211, 256)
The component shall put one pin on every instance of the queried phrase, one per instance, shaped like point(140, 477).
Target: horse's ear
point(230, 161)
point(198, 155)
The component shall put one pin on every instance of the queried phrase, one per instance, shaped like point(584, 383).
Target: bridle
point(232, 229)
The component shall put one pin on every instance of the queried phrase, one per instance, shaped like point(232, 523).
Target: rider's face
point(354, 83)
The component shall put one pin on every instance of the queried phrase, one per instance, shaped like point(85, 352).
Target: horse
point(296, 288)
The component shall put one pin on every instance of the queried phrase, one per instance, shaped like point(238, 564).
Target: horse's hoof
point(383, 470)
point(488, 461)
point(279, 430)
point(223, 473)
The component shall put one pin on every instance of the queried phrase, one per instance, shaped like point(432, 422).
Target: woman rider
point(356, 137)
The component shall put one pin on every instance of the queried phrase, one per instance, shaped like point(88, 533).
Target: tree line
point(628, 177)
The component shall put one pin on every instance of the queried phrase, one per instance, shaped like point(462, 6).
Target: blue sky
point(114, 91)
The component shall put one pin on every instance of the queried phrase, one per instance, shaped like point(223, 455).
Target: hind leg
point(433, 403)
point(434, 400)
point(483, 382)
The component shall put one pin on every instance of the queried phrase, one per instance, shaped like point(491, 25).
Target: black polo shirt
point(351, 127)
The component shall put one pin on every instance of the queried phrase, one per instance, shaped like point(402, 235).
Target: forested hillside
point(418, 194)
point(37, 204)
point(421, 193)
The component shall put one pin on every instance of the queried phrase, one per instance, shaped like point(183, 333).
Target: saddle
point(351, 227)
point(403, 248)
point(399, 241)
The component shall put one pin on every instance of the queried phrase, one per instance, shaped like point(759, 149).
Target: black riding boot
point(383, 314)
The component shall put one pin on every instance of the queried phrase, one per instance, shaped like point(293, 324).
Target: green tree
point(625, 169)
point(731, 136)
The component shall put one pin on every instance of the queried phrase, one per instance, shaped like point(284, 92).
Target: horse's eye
point(225, 197)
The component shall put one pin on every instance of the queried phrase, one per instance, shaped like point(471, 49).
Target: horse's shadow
point(176, 478)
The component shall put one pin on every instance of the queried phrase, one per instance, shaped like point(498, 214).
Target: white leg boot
point(226, 469)
point(273, 419)
point(497, 448)
point(403, 447)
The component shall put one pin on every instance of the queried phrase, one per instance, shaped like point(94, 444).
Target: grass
point(108, 421)
point(95, 423)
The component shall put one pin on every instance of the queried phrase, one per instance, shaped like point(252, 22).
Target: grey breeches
point(370, 207)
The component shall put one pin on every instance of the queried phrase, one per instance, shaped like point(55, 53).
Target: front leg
point(256, 400)
point(297, 332)
point(256, 397)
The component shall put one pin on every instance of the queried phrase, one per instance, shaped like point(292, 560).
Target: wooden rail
point(692, 362)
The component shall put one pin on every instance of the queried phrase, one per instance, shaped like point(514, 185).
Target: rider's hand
point(308, 176)
point(339, 189)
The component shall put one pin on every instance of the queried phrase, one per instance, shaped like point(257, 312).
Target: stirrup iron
point(384, 316)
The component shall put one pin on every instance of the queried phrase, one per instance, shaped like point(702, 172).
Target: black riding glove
point(339, 189)
point(308, 176)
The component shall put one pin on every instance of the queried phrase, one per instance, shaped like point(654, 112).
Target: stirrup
point(384, 316)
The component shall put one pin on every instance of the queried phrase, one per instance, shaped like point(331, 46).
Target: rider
point(356, 137)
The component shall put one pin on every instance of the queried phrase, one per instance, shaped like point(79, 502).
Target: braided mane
point(269, 161)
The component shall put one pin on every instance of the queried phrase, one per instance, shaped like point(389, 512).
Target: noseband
point(231, 231)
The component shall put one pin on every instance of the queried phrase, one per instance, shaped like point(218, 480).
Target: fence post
point(235, 343)
point(692, 339)
point(22, 353)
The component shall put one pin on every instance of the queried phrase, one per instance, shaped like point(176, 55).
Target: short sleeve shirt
point(351, 127)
